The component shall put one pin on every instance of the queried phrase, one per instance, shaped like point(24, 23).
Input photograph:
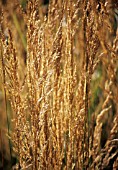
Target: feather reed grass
point(61, 84)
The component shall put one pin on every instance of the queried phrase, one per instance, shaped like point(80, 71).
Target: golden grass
point(62, 84)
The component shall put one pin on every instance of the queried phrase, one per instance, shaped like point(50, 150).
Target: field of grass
point(59, 85)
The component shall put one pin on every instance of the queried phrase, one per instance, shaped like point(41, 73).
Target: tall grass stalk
point(6, 111)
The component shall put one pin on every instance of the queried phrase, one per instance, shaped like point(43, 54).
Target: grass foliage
point(59, 88)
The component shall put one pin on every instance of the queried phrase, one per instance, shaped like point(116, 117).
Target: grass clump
point(61, 84)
